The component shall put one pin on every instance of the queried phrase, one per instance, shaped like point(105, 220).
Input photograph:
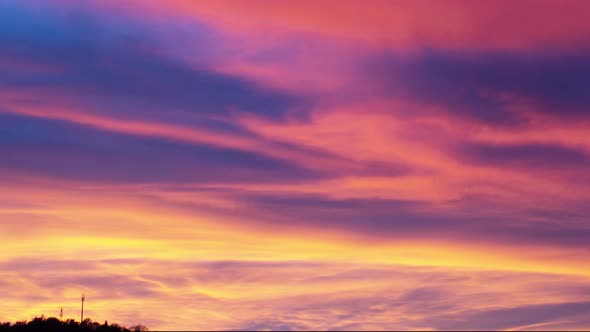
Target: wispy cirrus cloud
point(322, 296)
point(391, 166)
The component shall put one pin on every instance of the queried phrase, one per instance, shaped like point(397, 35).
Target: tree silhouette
point(53, 324)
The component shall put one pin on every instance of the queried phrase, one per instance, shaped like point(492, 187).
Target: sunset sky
point(337, 165)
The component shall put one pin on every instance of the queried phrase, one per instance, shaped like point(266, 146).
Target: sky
point(296, 165)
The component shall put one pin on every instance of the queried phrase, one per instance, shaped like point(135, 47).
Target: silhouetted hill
point(53, 324)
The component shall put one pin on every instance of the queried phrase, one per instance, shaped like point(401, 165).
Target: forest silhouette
point(54, 324)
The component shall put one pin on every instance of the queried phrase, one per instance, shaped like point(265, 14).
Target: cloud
point(295, 295)
point(486, 85)
point(232, 165)
point(54, 148)
point(521, 316)
point(480, 219)
point(116, 66)
point(452, 25)
point(526, 156)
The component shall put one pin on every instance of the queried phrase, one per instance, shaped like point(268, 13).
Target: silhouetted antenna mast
point(82, 311)
point(61, 313)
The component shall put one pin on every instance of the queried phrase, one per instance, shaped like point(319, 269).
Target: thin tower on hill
point(82, 311)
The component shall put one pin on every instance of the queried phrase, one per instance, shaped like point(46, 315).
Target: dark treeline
point(53, 324)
